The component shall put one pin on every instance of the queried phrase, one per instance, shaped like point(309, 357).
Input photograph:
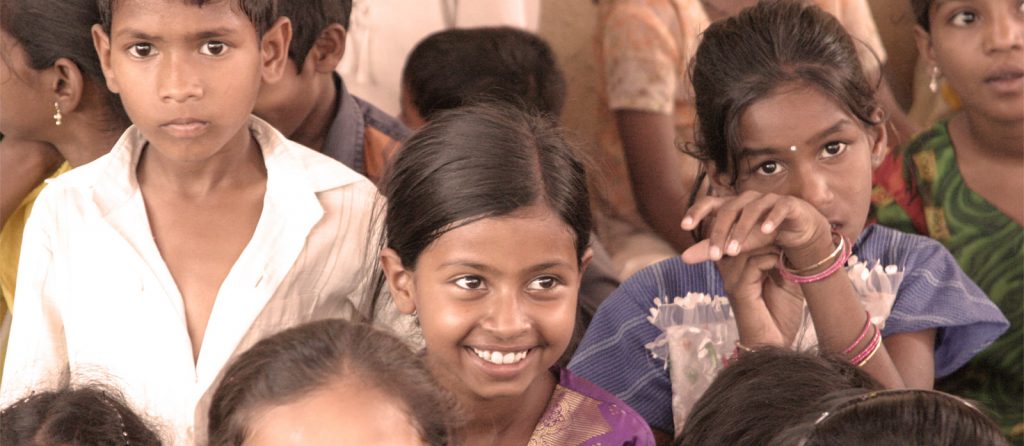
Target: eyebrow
point(486, 268)
point(749, 152)
point(201, 35)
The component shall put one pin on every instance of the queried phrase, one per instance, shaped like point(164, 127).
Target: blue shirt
point(934, 293)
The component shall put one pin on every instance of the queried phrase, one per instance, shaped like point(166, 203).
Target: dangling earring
point(57, 118)
point(933, 83)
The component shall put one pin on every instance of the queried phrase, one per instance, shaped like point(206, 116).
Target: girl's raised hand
point(750, 221)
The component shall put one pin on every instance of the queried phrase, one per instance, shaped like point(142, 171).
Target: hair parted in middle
point(480, 161)
point(774, 44)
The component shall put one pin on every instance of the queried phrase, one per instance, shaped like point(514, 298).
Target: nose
point(813, 187)
point(178, 81)
point(1004, 32)
point(507, 318)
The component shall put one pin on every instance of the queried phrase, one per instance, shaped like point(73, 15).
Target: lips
point(185, 127)
point(1006, 79)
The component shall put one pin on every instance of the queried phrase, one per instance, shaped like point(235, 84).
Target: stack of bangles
point(838, 257)
point(864, 355)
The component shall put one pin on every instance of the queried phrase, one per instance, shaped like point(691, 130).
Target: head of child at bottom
point(188, 71)
point(487, 236)
point(780, 397)
point(329, 382)
point(83, 415)
point(784, 108)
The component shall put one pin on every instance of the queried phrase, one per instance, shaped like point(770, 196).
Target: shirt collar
point(288, 163)
point(345, 137)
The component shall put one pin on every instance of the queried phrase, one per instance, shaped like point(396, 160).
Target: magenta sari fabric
point(581, 413)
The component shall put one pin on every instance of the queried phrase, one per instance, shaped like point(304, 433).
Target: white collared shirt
point(96, 300)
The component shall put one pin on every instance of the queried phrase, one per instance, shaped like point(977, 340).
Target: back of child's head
point(299, 361)
point(457, 67)
point(49, 30)
point(777, 43)
point(903, 417)
point(480, 161)
point(764, 392)
point(309, 18)
point(79, 416)
point(262, 13)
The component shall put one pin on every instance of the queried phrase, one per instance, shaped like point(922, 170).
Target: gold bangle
point(832, 256)
point(878, 347)
point(743, 347)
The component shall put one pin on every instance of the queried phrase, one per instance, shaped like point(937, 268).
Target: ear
point(400, 281)
point(67, 84)
point(879, 146)
point(588, 255)
point(101, 41)
point(274, 49)
point(328, 49)
point(924, 44)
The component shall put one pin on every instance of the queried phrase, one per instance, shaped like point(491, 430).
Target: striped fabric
point(934, 293)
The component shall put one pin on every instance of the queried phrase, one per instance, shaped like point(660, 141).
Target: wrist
point(805, 257)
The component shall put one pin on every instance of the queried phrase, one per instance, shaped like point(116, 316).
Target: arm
point(661, 178)
point(23, 166)
point(37, 351)
point(755, 221)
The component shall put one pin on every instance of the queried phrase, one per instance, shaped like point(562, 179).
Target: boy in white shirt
point(202, 231)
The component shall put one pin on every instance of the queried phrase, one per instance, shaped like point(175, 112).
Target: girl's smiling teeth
point(500, 358)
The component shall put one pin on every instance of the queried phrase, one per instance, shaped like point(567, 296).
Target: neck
point(312, 132)
point(511, 420)
point(84, 141)
point(1002, 140)
point(237, 164)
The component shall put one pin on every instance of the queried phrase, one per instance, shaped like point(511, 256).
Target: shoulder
point(376, 119)
point(623, 424)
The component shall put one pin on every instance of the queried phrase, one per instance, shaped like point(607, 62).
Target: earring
point(933, 83)
point(57, 118)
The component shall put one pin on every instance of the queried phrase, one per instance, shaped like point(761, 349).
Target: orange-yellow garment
point(10, 242)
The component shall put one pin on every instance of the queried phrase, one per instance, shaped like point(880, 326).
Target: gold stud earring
point(57, 118)
point(933, 83)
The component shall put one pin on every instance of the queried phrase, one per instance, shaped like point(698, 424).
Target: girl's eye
point(833, 148)
point(768, 168)
point(141, 50)
point(963, 18)
point(469, 283)
point(213, 48)
point(543, 283)
point(1020, 6)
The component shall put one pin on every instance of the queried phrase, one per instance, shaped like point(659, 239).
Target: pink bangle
point(864, 332)
point(835, 266)
point(868, 352)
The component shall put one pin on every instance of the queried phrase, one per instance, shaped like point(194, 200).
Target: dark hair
point(296, 362)
point(906, 417)
point(309, 18)
point(922, 10)
point(53, 29)
point(486, 160)
point(763, 392)
point(744, 58)
point(261, 13)
point(457, 67)
point(83, 416)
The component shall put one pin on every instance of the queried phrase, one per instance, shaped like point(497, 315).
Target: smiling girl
point(487, 233)
point(789, 132)
point(961, 182)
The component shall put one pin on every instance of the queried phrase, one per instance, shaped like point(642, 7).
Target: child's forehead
point(228, 11)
